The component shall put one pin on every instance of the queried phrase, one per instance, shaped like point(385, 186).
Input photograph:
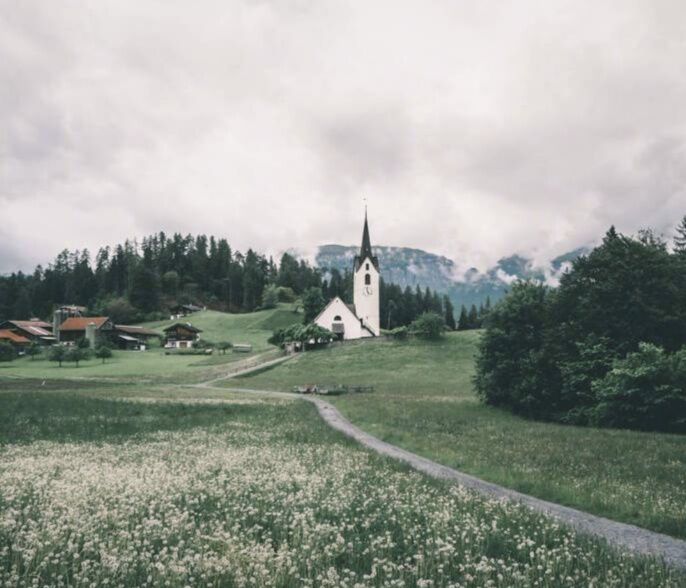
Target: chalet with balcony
point(181, 336)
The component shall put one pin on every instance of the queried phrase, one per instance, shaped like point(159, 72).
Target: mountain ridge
point(407, 266)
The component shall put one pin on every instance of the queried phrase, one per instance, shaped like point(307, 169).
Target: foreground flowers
point(265, 495)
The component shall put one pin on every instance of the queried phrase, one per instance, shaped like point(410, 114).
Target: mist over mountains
point(414, 267)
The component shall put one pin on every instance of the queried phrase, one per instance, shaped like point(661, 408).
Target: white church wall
point(366, 295)
point(338, 308)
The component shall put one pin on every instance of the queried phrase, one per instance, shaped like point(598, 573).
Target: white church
point(360, 319)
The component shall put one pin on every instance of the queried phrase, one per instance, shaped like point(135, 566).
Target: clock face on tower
point(367, 291)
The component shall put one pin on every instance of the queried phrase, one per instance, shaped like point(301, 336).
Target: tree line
point(136, 281)
point(606, 348)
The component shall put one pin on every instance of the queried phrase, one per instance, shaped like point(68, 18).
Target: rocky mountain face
point(412, 267)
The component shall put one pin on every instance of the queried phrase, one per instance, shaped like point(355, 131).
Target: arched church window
point(337, 318)
point(367, 279)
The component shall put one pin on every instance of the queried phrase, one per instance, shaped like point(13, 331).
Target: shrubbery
point(428, 325)
point(7, 352)
point(646, 390)
point(310, 335)
point(576, 354)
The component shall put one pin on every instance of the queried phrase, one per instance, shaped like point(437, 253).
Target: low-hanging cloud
point(474, 129)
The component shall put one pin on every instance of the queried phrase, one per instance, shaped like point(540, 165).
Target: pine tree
point(449, 314)
point(680, 237)
point(463, 321)
point(473, 317)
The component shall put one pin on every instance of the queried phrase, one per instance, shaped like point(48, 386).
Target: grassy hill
point(424, 401)
point(253, 328)
point(153, 365)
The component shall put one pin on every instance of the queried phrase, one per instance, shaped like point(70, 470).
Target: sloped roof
point(79, 323)
point(36, 328)
point(8, 335)
point(366, 248)
point(186, 326)
point(350, 307)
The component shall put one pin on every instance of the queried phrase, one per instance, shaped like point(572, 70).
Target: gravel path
point(629, 537)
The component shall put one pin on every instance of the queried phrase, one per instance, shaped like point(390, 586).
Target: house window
point(366, 266)
point(367, 279)
point(337, 318)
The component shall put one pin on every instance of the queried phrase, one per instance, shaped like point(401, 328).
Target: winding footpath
point(621, 535)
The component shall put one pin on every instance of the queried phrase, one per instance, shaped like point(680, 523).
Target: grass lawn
point(155, 486)
point(424, 402)
point(153, 365)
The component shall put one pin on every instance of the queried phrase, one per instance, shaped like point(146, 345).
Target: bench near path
point(621, 535)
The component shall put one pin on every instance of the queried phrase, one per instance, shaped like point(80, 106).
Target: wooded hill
point(141, 281)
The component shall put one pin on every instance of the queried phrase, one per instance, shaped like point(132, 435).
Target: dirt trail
point(629, 537)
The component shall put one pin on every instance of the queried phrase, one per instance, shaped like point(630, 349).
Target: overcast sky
point(475, 129)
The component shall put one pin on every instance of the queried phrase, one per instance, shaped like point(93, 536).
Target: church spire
point(366, 248)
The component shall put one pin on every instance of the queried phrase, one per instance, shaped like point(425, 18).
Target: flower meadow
point(243, 492)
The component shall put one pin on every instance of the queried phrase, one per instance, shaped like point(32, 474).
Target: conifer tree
point(680, 237)
point(463, 321)
point(449, 313)
point(473, 317)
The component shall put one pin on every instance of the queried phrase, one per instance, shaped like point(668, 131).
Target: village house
point(94, 328)
point(19, 342)
point(360, 319)
point(181, 336)
point(35, 330)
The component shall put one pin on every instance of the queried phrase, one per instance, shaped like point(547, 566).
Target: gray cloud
point(475, 129)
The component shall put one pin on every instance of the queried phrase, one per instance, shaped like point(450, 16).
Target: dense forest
point(606, 348)
point(140, 281)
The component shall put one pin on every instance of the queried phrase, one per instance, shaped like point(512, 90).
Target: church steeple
point(366, 248)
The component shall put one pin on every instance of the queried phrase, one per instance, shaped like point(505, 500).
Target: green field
point(152, 486)
point(153, 365)
point(424, 402)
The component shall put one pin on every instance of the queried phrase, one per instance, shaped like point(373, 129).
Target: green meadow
point(424, 401)
point(154, 365)
point(107, 484)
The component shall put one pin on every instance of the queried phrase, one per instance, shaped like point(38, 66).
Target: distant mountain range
point(412, 267)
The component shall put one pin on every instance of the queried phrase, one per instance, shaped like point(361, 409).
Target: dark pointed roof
point(366, 248)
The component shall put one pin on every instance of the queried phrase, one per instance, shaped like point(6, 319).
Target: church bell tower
point(366, 284)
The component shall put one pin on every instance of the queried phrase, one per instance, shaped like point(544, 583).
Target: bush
point(310, 334)
point(428, 325)
point(223, 346)
point(76, 354)
point(399, 333)
point(646, 390)
point(270, 297)
point(103, 352)
point(7, 352)
point(58, 353)
point(33, 350)
point(285, 294)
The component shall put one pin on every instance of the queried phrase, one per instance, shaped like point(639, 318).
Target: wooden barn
point(80, 327)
